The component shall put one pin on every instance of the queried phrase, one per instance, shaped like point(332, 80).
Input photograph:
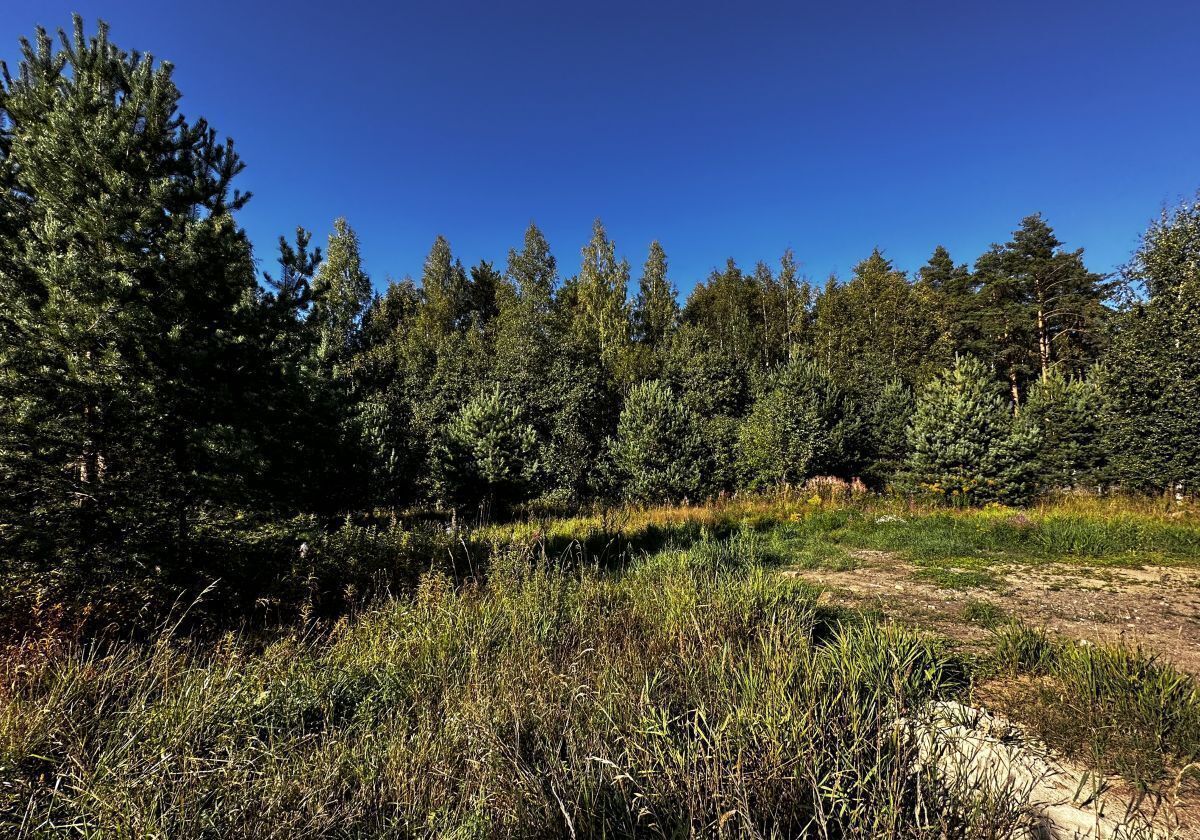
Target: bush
point(802, 424)
point(488, 456)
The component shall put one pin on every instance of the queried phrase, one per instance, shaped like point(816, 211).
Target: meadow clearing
point(734, 670)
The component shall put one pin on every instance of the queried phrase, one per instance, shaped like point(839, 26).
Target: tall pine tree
point(1038, 308)
point(128, 377)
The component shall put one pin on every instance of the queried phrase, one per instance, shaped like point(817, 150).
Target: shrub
point(802, 424)
point(488, 454)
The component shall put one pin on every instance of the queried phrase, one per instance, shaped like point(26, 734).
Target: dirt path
point(1154, 606)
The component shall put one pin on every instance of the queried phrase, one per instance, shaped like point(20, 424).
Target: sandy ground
point(1156, 607)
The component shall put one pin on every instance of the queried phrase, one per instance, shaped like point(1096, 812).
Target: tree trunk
point(1043, 342)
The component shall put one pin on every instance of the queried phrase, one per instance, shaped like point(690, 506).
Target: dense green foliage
point(966, 443)
point(489, 455)
point(658, 453)
point(160, 404)
point(1151, 378)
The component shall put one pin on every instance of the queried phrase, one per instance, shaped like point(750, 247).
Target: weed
point(984, 613)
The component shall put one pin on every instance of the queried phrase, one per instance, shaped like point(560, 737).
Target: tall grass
point(1119, 708)
point(693, 694)
point(810, 531)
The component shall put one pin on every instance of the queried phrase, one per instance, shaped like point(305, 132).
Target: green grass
point(632, 673)
point(984, 613)
point(1074, 531)
point(957, 572)
point(693, 693)
point(969, 549)
point(1117, 708)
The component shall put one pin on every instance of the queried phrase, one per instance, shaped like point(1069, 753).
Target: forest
point(284, 438)
point(172, 417)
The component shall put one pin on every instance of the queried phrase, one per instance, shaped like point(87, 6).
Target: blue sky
point(722, 129)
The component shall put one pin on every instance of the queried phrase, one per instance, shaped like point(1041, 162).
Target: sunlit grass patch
point(984, 613)
point(1118, 708)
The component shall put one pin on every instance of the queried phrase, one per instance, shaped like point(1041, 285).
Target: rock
point(976, 751)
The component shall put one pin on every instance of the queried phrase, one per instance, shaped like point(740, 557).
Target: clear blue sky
point(723, 129)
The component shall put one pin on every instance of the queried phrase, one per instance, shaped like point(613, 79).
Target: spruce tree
point(888, 414)
point(299, 412)
point(525, 333)
point(713, 385)
point(966, 446)
point(483, 294)
point(533, 271)
point(447, 292)
point(794, 306)
point(388, 383)
point(873, 326)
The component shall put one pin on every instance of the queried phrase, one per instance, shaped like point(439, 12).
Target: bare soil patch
point(1156, 607)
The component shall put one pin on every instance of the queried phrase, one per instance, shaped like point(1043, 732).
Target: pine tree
point(292, 292)
point(1151, 374)
point(657, 454)
point(489, 454)
point(965, 444)
point(1066, 413)
point(888, 415)
point(947, 291)
point(1038, 307)
point(128, 369)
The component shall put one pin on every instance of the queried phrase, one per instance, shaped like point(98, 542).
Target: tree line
point(155, 390)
